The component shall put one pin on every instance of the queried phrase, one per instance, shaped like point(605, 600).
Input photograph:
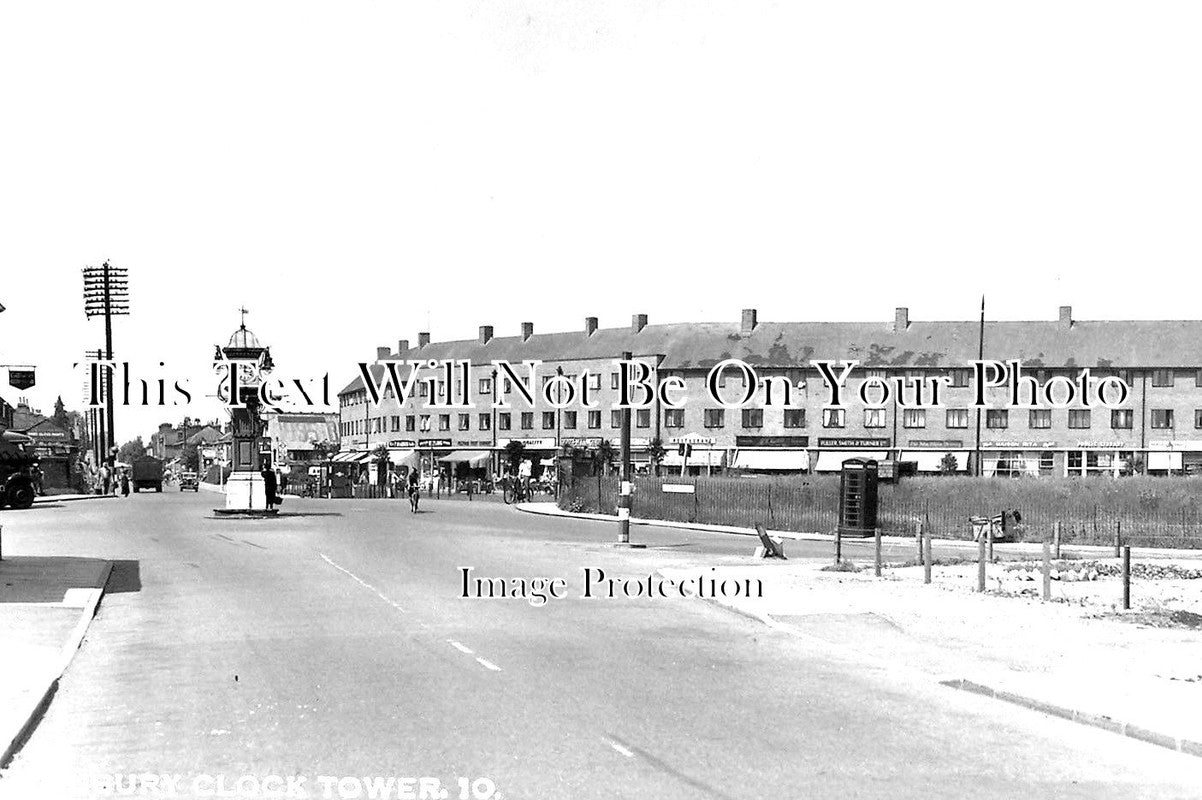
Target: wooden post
point(1118, 539)
point(877, 536)
point(926, 555)
point(1047, 571)
point(918, 538)
point(1127, 578)
point(981, 564)
point(989, 538)
point(1056, 538)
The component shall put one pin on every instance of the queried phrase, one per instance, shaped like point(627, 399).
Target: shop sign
point(402, 443)
point(691, 438)
point(434, 443)
point(1017, 445)
point(940, 444)
point(840, 441)
point(20, 378)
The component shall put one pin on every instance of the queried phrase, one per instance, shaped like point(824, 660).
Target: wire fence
point(804, 507)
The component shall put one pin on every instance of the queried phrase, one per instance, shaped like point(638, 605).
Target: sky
point(356, 172)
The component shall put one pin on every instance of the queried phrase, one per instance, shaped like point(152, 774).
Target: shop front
point(537, 452)
point(777, 455)
point(1173, 457)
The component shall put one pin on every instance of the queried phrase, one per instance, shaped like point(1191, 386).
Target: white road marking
point(459, 647)
point(623, 750)
point(362, 583)
point(488, 664)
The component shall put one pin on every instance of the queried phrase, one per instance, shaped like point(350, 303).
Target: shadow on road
point(126, 576)
point(45, 579)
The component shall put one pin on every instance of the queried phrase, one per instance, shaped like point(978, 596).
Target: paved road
point(333, 642)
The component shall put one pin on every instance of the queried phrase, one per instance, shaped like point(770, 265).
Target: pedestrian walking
point(125, 483)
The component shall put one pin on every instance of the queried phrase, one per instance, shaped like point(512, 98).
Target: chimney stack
point(1066, 316)
point(901, 319)
point(401, 347)
point(423, 338)
point(485, 333)
point(748, 321)
point(590, 326)
point(381, 353)
point(638, 322)
point(527, 330)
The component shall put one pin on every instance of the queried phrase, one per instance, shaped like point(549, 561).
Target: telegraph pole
point(977, 470)
point(106, 294)
point(626, 485)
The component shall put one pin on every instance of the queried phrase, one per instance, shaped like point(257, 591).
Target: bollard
point(989, 538)
point(877, 536)
point(1118, 539)
point(926, 556)
point(918, 538)
point(1047, 571)
point(1127, 578)
point(838, 547)
point(1056, 539)
point(981, 564)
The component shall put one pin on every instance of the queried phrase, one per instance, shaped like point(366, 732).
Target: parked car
point(18, 470)
point(189, 480)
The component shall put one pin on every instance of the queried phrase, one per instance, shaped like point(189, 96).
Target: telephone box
point(858, 498)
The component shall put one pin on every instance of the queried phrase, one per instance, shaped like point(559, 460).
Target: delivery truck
point(148, 474)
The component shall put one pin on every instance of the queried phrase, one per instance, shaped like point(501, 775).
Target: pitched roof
point(1106, 344)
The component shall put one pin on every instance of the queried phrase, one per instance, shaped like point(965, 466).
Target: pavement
point(335, 642)
point(46, 606)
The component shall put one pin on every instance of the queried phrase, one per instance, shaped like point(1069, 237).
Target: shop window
point(794, 417)
point(1047, 462)
point(1075, 463)
point(957, 418)
point(715, 417)
point(874, 418)
point(997, 418)
point(674, 418)
point(1122, 419)
point(753, 418)
point(1040, 418)
point(1162, 418)
point(1079, 418)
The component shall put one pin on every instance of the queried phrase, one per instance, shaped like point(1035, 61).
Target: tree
point(191, 456)
point(948, 464)
point(380, 454)
point(604, 455)
point(515, 451)
point(131, 450)
point(324, 450)
point(656, 452)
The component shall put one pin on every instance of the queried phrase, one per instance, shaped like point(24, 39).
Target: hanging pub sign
point(20, 378)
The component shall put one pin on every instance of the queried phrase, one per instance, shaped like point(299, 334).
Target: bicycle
point(515, 492)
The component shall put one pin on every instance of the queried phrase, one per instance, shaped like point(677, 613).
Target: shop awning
point(403, 458)
point(932, 460)
point(349, 456)
point(773, 460)
point(833, 461)
point(1164, 460)
point(363, 458)
point(473, 458)
point(549, 462)
point(699, 458)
